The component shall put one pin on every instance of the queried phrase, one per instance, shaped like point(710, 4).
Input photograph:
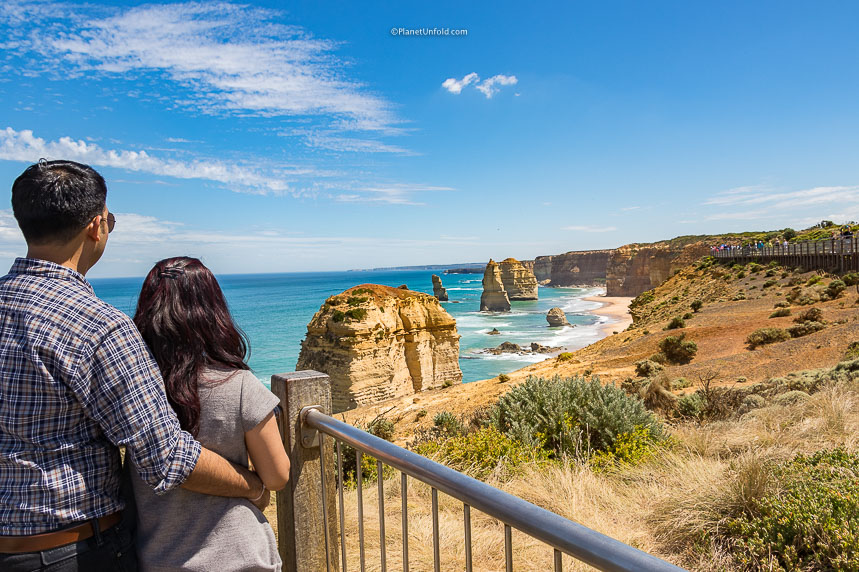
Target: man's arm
point(214, 475)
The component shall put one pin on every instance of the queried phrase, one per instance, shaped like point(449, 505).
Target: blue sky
point(277, 137)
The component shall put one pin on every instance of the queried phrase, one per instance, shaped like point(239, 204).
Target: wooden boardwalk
point(834, 254)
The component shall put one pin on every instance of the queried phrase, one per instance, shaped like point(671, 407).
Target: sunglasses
point(111, 222)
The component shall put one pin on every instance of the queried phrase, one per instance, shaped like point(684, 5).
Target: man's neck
point(68, 255)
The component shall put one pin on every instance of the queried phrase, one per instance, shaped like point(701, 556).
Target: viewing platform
point(838, 254)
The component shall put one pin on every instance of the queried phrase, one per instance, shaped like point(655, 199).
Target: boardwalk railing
point(841, 254)
point(310, 524)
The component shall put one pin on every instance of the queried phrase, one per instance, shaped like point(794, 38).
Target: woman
point(183, 317)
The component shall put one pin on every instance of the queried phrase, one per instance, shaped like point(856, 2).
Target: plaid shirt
point(77, 382)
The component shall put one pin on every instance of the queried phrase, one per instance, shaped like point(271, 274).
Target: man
point(77, 382)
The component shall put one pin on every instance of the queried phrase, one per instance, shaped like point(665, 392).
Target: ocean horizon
point(274, 309)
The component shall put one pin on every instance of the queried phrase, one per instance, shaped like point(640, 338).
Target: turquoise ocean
point(274, 309)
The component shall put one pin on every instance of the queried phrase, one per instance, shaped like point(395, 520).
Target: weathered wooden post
point(300, 524)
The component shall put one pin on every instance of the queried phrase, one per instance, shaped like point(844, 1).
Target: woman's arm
point(267, 454)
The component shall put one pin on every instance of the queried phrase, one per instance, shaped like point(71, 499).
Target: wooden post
point(300, 524)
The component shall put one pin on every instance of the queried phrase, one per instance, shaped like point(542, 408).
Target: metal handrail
point(589, 546)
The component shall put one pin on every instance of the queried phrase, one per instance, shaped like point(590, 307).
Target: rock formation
point(494, 297)
point(378, 342)
point(634, 268)
point(556, 317)
point(542, 269)
point(494, 332)
point(439, 291)
point(518, 281)
point(583, 268)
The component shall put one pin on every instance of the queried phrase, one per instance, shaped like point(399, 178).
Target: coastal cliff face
point(378, 342)
point(577, 268)
point(494, 297)
point(519, 282)
point(633, 269)
point(542, 269)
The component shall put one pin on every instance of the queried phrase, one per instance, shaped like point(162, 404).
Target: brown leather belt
point(48, 540)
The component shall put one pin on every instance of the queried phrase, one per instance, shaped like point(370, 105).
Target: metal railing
point(320, 434)
point(840, 253)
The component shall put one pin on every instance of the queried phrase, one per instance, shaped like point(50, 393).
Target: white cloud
point(487, 87)
point(395, 194)
point(25, 146)
point(318, 140)
point(590, 228)
point(762, 195)
point(455, 86)
point(230, 57)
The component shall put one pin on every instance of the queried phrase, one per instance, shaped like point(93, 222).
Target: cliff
point(378, 342)
point(494, 297)
point(438, 290)
point(636, 268)
point(542, 269)
point(518, 281)
point(579, 268)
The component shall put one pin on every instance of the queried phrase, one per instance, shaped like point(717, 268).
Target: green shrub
point(782, 304)
point(357, 314)
point(754, 267)
point(677, 350)
point(696, 305)
point(688, 316)
point(565, 356)
point(811, 522)
point(741, 274)
point(420, 414)
point(448, 423)
point(356, 300)
point(769, 283)
point(503, 378)
point(770, 273)
point(642, 299)
point(791, 397)
point(852, 351)
point(338, 316)
point(675, 323)
point(382, 428)
point(628, 449)
point(788, 234)
point(851, 279)
point(804, 329)
point(810, 315)
point(659, 358)
point(572, 417)
point(647, 368)
point(780, 313)
point(834, 289)
point(690, 406)
point(813, 280)
point(482, 453)
point(680, 383)
point(764, 336)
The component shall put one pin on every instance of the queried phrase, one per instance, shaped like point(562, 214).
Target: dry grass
point(672, 505)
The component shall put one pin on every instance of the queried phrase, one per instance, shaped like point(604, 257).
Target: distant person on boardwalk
point(77, 383)
point(183, 316)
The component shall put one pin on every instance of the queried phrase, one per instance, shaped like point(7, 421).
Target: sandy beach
point(616, 308)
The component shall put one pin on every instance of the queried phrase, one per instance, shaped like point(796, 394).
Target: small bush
point(810, 315)
point(503, 378)
point(677, 350)
point(754, 267)
point(448, 423)
point(572, 417)
point(356, 300)
point(659, 358)
point(769, 283)
point(765, 336)
point(642, 299)
point(647, 368)
point(834, 289)
point(770, 273)
point(565, 356)
point(690, 406)
point(357, 314)
point(791, 397)
point(680, 383)
point(420, 414)
point(628, 449)
point(338, 316)
point(813, 280)
point(382, 428)
point(482, 453)
point(696, 305)
point(782, 304)
point(852, 351)
point(741, 274)
point(738, 297)
point(851, 279)
point(675, 323)
point(751, 402)
point(780, 313)
point(809, 523)
point(805, 328)
point(688, 316)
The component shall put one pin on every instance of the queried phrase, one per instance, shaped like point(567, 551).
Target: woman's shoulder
point(219, 374)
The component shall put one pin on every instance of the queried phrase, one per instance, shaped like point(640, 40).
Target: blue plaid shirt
point(77, 382)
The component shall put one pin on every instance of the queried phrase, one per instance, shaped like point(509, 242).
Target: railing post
point(300, 522)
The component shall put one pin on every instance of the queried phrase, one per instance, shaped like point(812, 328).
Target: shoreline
point(615, 308)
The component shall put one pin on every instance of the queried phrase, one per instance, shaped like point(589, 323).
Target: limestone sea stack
point(494, 297)
point(556, 317)
point(519, 281)
point(439, 291)
point(378, 342)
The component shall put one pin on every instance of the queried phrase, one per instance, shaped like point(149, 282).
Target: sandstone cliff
point(636, 268)
point(542, 268)
point(439, 291)
point(518, 281)
point(494, 297)
point(378, 342)
point(580, 268)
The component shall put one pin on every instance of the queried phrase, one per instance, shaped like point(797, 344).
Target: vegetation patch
point(805, 328)
point(765, 336)
point(780, 313)
point(811, 520)
point(675, 323)
point(677, 349)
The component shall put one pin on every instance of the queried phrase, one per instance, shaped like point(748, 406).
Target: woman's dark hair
point(183, 318)
point(54, 200)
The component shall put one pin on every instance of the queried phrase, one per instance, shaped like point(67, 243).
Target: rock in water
point(494, 332)
point(556, 317)
point(439, 291)
point(378, 342)
point(494, 297)
point(519, 281)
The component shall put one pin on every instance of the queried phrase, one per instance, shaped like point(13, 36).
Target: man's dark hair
point(54, 200)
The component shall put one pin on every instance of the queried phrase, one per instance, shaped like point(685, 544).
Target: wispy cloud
point(487, 87)
point(590, 228)
point(327, 141)
point(228, 57)
point(396, 194)
point(764, 202)
point(25, 146)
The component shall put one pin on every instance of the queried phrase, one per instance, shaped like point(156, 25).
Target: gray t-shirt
point(183, 530)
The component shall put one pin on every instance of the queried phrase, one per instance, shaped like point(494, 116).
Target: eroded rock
point(494, 297)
